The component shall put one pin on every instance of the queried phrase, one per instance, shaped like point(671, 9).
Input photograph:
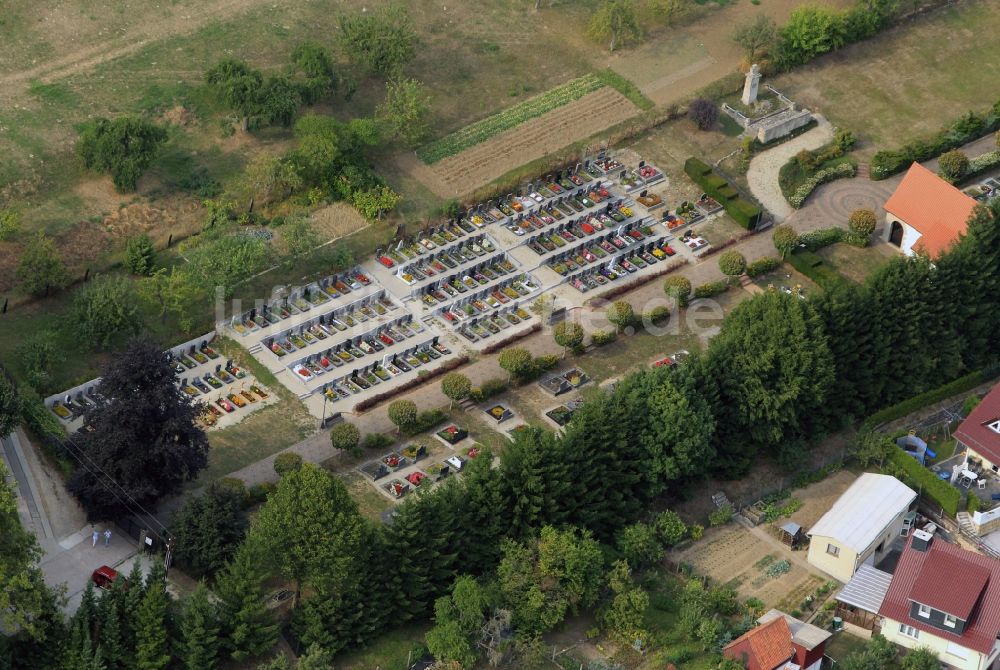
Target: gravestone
point(750, 85)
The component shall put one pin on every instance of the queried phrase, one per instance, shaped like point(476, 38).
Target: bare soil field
point(478, 165)
point(734, 554)
point(337, 220)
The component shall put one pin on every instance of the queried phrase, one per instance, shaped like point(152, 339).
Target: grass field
point(854, 263)
point(909, 81)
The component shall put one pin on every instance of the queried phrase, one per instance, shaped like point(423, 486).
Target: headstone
point(750, 85)
point(642, 164)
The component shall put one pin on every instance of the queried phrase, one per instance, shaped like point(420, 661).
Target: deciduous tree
point(403, 413)
point(704, 113)
point(10, 405)
point(621, 314)
point(269, 178)
point(174, 292)
point(381, 41)
point(756, 36)
point(316, 64)
point(40, 267)
point(953, 165)
point(624, 616)
point(374, 202)
point(568, 335)
point(615, 20)
point(104, 311)
point(406, 111)
point(516, 362)
point(144, 407)
point(345, 436)
point(239, 87)
point(678, 287)
point(456, 386)
point(122, 147)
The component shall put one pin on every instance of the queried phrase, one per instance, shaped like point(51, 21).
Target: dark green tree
point(200, 643)
point(10, 405)
point(249, 629)
point(279, 100)
point(568, 335)
point(144, 407)
point(152, 648)
point(774, 371)
point(239, 87)
point(122, 147)
point(208, 529)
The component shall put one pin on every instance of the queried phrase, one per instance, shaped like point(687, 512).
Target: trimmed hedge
point(824, 237)
point(968, 127)
point(710, 289)
point(961, 385)
point(981, 164)
point(813, 267)
point(763, 266)
point(840, 171)
point(744, 213)
point(941, 492)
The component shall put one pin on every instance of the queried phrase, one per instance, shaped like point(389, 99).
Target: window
point(956, 650)
point(924, 611)
point(995, 468)
point(832, 550)
point(950, 621)
point(909, 631)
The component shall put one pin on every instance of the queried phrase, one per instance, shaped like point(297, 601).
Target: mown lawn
point(856, 263)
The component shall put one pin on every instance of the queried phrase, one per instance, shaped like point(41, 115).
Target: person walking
point(93, 539)
point(107, 536)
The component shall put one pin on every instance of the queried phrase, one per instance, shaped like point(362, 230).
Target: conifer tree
point(152, 651)
point(250, 630)
point(200, 632)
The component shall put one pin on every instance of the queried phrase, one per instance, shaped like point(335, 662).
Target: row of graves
point(401, 471)
point(213, 383)
point(382, 367)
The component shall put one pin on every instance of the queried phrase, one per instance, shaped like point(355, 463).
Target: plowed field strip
point(479, 165)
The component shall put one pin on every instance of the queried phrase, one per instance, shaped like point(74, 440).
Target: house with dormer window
point(980, 432)
point(947, 599)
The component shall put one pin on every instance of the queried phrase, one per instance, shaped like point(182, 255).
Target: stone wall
point(986, 522)
point(782, 124)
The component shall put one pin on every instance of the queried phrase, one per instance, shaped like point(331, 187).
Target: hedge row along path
point(477, 166)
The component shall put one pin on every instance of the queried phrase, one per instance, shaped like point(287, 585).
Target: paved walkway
point(762, 175)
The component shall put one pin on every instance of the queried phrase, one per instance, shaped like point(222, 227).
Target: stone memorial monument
point(750, 86)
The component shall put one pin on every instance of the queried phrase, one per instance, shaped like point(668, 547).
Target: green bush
point(953, 165)
point(425, 421)
point(940, 492)
point(258, 493)
point(970, 404)
point(763, 266)
point(721, 515)
point(710, 289)
point(982, 163)
point(376, 441)
point(973, 504)
point(488, 389)
point(546, 362)
point(812, 266)
point(287, 462)
point(601, 337)
point(968, 127)
point(824, 237)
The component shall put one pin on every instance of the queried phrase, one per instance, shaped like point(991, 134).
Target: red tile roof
point(973, 432)
point(951, 576)
point(933, 207)
point(767, 647)
point(950, 583)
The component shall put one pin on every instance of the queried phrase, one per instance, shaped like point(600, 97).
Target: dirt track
point(181, 21)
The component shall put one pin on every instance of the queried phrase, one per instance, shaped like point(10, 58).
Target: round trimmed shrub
point(344, 436)
point(403, 413)
point(732, 263)
point(287, 462)
point(785, 238)
point(678, 287)
point(953, 165)
point(862, 222)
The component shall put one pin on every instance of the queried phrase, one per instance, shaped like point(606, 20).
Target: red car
point(105, 577)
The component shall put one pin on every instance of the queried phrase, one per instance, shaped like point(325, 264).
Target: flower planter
point(453, 434)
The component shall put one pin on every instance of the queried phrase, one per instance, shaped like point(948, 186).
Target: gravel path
point(763, 172)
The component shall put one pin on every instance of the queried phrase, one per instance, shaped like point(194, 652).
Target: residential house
point(860, 527)
point(947, 599)
point(925, 214)
point(980, 432)
point(779, 642)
